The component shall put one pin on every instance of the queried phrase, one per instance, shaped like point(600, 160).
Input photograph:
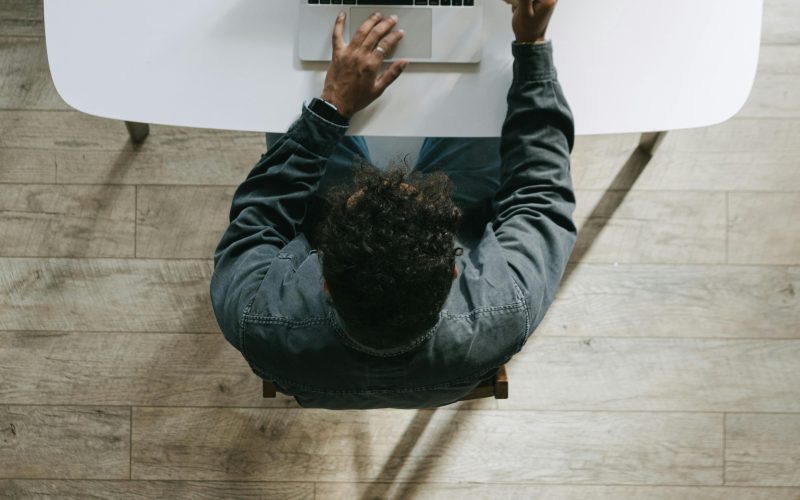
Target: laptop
point(441, 31)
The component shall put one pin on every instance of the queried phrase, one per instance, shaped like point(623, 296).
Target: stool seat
point(496, 387)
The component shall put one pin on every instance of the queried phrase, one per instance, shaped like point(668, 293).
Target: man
point(402, 300)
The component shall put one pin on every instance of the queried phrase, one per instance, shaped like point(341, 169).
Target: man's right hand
point(354, 79)
point(530, 19)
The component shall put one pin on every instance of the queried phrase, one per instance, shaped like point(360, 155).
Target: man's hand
point(353, 79)
point(531, 18)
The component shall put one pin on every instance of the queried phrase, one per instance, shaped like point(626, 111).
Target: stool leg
point(138, 131)
point(650, 141)
point(268, 389)
point(501, 384)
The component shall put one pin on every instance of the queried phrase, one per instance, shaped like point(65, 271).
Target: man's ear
point(325, 286)
point(455, 272)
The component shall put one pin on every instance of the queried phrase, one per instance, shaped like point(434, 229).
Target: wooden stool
point(496, 387)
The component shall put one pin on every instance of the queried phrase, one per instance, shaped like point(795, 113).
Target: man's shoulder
point(292, 288)
point(485, 282)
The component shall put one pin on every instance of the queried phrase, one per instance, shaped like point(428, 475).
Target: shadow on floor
point(103, 194)
point(607, 205)
point(420, 464)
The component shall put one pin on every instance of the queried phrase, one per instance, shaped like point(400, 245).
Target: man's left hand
point(354, 80)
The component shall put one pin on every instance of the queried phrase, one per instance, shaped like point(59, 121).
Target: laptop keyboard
point(421, 3)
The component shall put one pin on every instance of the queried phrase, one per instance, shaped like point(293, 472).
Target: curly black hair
point(387, 247)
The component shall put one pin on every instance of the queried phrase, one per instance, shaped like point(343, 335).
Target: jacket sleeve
point(534, 205)
point(267, 212)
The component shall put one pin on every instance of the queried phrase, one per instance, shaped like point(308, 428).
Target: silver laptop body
point(434, 33)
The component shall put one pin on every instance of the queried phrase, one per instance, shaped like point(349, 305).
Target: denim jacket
point(267, 286)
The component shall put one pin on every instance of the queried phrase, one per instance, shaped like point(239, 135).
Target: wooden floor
point(668, 367)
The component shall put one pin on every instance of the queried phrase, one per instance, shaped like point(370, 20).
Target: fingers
point(390, 75)
point(378, 32)
point(389, 43)
point(338, 32)
point(365, 28)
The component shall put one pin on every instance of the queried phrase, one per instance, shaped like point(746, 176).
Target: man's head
point(388, 256)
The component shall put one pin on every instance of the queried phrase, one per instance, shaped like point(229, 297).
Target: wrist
point(331, 99)
point(530, 40)
point(328, 111)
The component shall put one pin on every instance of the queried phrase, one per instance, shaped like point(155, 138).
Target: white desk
point(626, 66)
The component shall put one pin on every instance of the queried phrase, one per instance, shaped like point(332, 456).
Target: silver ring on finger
point(381, 50)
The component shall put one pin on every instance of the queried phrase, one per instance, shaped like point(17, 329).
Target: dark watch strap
point(327, 111)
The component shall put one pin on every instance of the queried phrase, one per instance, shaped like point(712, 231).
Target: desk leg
point(650, 141)
point(138, 131)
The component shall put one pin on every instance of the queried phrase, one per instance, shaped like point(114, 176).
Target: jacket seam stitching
point(519, 304)
point(524, 306)
point(270, 320)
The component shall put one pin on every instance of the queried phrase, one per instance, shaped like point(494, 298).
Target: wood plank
point(764, 228)
point(671, 169)
point(780, 59)
point(775, 91)
point(133, 369)
point(596, 159)
point(627, 300)
point(67, 221)
point(652, 227)
point(25, 81)
point(212, 490)
point(658, 227)
point(719, 158)
point(427, 446)
point(21, 17)
point(473, 491)
point(676, 301)
point(740, 154)
point(676, 169)
point(91, 150)
point(780, 22)
point(78, 132)
point(550, 374)
point(64, 442)
point(27, 166)
point(774, 96)
point(762, 450)
point(656, 375)
point(181, 222)
point(148, 490)
point(127, 369)
point(106, 295)
point(164, 166)
point(739, 135)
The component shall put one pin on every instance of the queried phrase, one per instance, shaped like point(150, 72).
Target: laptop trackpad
point(418, 23)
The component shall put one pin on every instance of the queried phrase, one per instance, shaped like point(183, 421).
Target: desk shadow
point(102, 194)
point(607, 206)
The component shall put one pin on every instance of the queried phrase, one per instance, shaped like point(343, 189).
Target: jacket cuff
point(533, 63)
point(315, 133)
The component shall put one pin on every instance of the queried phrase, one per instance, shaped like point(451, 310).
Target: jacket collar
point(337, 323)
